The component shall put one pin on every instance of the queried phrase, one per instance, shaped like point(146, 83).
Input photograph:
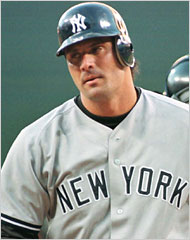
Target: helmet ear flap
point(182, 95)
point(177, 80)
point(124, 52)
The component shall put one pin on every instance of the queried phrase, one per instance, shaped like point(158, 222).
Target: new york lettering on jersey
point(157, 184)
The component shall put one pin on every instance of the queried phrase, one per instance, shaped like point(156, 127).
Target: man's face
point(94, 68)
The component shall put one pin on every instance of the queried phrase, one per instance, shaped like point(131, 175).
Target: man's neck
point(111, 122)
point(115, 106)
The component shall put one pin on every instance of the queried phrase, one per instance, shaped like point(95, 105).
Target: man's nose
point(88, 62)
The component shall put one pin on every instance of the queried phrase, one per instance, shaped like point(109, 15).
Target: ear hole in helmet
point(124, 52)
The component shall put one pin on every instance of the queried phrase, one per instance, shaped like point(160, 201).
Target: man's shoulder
point(165, 103)
point(161, 109)
point(50, 119)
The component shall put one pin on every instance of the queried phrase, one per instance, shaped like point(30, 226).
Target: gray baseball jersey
point(94, 182)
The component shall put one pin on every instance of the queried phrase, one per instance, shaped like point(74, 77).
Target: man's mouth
point(91, 78)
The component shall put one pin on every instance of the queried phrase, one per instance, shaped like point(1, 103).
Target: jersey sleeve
point(24, 195)
point(11, 231)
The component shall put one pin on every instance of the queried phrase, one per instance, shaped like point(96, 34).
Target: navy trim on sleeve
point(20, 223)
point(10, 231)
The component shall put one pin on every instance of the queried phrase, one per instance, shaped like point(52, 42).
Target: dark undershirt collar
point(110, 122)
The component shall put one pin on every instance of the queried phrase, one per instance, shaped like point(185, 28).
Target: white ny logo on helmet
point(77, 22)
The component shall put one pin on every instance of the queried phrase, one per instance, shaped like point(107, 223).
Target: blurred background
point(34, 80)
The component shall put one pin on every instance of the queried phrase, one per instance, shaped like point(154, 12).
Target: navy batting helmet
point(177, 80)
point(93, 19)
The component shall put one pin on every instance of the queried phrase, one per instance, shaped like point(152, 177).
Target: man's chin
point(96, 94)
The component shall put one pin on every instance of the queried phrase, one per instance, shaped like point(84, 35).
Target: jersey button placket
point(117, 161)
point(116, 182)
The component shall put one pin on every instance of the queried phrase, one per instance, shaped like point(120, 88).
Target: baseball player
point(110, 163)
point(177, 80)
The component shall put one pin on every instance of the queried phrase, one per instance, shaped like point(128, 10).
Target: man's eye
point(96, 49)
point(75, 56)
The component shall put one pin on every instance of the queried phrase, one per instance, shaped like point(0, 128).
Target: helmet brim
point(79, 37)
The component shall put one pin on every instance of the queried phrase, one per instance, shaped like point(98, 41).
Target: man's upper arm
point(24, 200)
